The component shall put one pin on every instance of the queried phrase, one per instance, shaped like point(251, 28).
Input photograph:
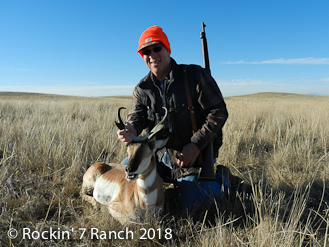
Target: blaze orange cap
point(151, 36)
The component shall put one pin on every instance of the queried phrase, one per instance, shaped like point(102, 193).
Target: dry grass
point(277, 144)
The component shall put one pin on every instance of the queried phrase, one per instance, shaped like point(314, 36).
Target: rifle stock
point(207, 172)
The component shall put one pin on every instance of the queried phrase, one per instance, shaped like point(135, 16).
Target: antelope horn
point(159, 126)
point(156, 129)
point(120, 124)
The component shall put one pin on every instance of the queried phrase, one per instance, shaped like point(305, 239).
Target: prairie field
point(275, 153)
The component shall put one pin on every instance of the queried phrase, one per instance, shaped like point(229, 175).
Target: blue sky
point(88, 48)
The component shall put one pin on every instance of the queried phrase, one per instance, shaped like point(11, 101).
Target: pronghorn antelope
point(128, 191)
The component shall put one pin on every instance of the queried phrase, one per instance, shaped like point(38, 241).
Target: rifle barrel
point(204, 48)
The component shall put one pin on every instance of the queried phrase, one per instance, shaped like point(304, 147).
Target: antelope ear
point(161, 143)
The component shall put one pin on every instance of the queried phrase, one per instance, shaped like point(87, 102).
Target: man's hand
point(126, 135)
point(188, 155)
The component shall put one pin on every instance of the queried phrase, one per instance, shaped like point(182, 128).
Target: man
point(164, 86)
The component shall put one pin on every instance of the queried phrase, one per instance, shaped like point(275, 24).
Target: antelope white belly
point(105, 192)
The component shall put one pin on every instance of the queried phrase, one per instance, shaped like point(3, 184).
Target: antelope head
point(142, 149)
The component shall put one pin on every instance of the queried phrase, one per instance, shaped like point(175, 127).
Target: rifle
point(207, 172)
point(204, 48)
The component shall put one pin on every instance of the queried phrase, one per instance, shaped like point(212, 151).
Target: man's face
point(157, 59)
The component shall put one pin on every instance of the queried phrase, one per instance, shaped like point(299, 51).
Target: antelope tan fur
point(128, 191)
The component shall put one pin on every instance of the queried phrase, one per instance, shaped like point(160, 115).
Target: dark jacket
point(209, 106)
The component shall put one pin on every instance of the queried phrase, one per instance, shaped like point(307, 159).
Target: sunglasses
point(147, 52)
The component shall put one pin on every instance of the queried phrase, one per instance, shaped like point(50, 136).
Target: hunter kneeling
point(196, 114)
